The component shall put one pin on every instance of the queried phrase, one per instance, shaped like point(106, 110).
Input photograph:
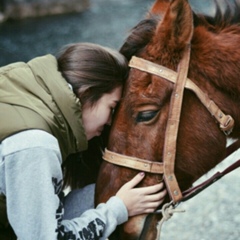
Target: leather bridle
point(166, 167)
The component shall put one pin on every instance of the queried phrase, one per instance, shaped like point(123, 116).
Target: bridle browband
point(166, 168)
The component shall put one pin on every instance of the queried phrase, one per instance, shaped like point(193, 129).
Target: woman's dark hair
point(92, 71)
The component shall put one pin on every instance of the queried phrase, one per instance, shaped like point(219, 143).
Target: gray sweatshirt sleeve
point(31, 179)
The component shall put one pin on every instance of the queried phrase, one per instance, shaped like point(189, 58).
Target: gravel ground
point(214, 214)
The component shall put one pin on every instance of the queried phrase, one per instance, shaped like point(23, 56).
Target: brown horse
point(141, 120)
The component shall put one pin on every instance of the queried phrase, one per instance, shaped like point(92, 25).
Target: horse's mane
point(143, 32)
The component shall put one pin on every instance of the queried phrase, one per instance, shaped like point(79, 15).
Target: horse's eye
point(146, 116)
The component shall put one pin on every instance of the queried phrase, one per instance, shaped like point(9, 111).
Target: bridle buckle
point(228, 125)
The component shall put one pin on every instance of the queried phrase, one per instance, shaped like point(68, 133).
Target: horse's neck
point(217, 57)
point(216, 64)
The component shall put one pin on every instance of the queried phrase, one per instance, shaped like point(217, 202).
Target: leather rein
point(166, 167)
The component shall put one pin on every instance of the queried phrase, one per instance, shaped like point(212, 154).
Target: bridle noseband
point(133, 162)
point(181, 81)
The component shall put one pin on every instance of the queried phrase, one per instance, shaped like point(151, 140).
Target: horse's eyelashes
point(146, 116)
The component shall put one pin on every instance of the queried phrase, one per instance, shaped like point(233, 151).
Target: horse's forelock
point(139, 36)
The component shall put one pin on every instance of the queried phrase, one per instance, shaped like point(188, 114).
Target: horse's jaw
point(133, 227)
point(140, 227)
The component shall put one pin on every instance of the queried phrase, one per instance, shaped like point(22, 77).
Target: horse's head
point(141, 119)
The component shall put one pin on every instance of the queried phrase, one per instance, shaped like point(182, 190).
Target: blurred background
point(36, 27)
point(30, 28)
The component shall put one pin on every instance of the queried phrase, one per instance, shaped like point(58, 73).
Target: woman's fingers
point(143, 199)
point(152, 189)
point(146, 190)
point(149, 207)
point(136, 180)
point(158, 197)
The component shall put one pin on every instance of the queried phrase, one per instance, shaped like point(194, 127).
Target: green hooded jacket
point(34, 95)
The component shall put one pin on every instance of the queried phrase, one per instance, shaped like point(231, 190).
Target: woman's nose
point(109, 121)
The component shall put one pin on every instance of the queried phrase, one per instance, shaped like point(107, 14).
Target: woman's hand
point(141, 200)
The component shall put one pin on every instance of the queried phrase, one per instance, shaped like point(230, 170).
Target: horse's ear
point(159, 7)
point(175, 30)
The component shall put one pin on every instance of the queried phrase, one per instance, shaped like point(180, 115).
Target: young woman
point(50, 108)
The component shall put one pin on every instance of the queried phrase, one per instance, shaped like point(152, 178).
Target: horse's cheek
point(102, 192)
